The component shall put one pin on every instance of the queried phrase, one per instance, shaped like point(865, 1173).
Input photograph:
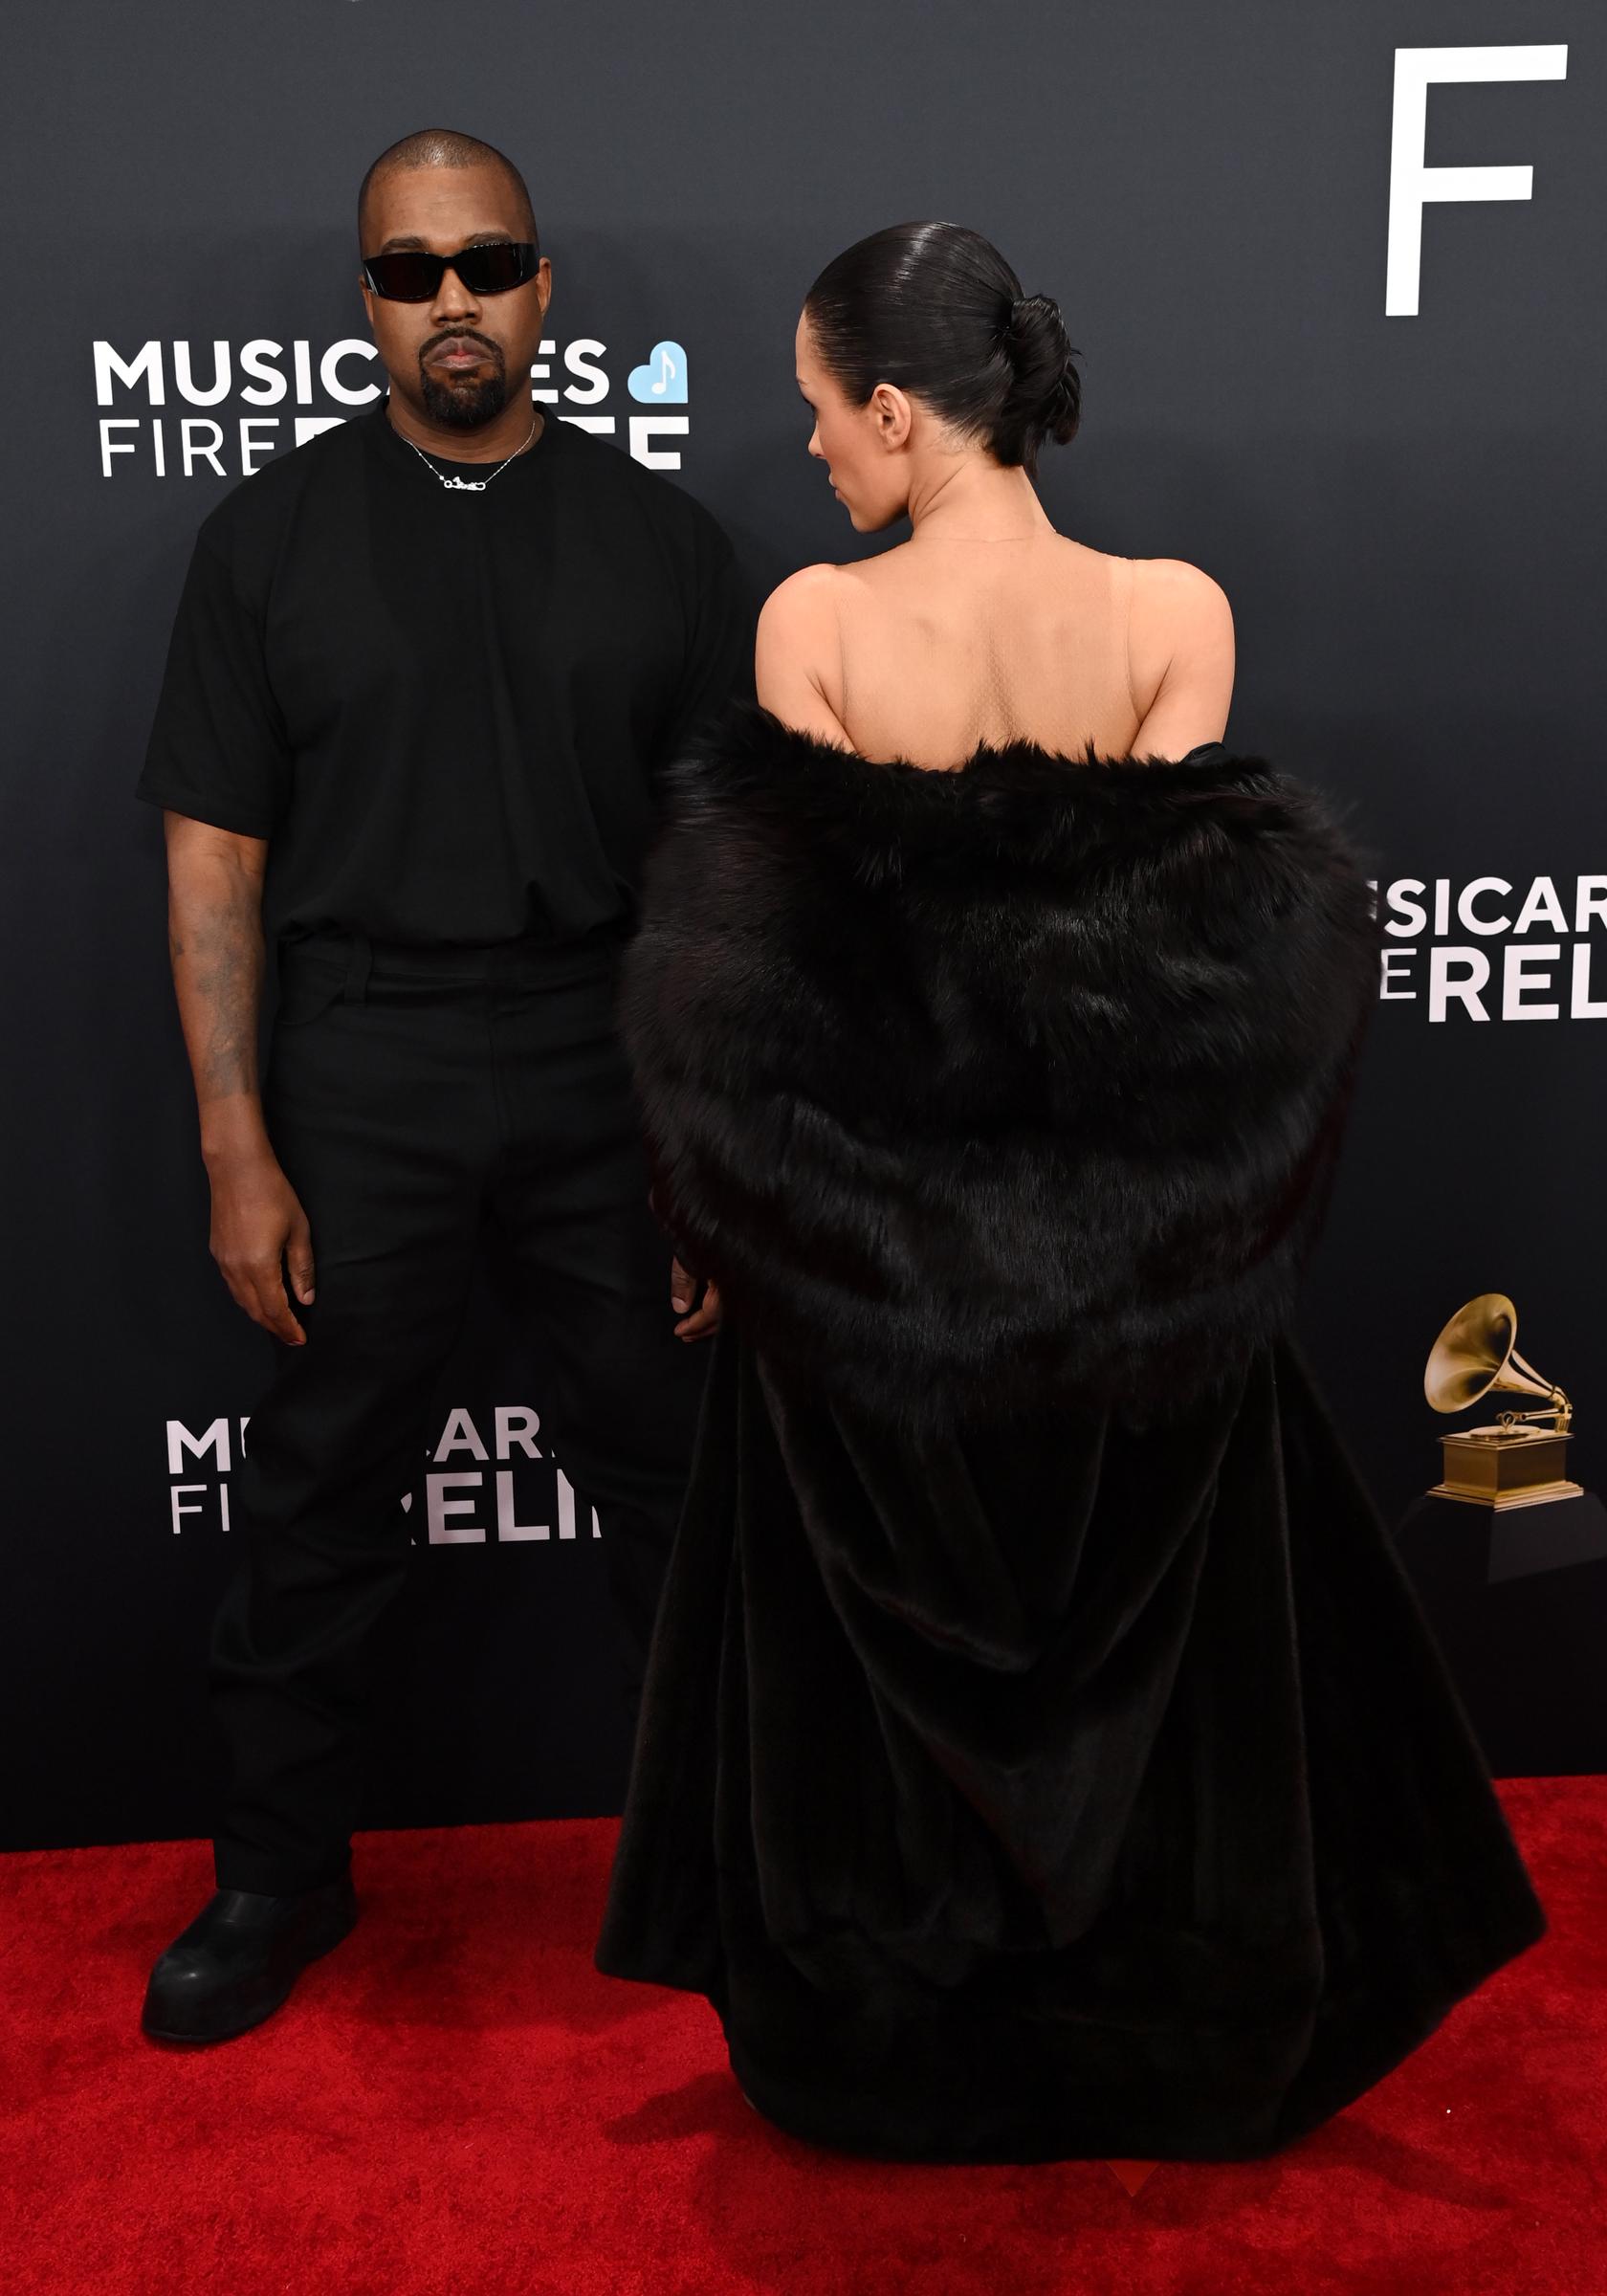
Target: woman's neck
point(971, 497)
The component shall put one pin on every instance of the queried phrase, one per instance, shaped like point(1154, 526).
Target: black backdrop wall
point(1404, 505)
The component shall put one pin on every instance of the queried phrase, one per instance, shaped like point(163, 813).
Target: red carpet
point(453, 2101)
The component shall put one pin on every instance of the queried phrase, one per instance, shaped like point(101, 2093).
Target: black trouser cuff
point(239, 1866)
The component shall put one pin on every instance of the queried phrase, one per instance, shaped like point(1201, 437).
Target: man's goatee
point(467, 406)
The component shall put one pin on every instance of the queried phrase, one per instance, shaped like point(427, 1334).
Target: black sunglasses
point(410, 275)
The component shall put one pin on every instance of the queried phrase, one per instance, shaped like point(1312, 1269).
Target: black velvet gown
point(1041, 1753)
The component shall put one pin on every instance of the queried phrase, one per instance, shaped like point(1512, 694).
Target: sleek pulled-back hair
point(936, 310)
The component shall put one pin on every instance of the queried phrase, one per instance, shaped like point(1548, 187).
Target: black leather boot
point(240, 1958)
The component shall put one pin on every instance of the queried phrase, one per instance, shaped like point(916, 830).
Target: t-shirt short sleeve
point(217, 749)
point(718, 665)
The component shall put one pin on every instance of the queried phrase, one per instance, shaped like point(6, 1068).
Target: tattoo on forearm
point(217, 971)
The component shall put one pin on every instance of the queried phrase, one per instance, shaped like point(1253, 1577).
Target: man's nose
point(454, 301)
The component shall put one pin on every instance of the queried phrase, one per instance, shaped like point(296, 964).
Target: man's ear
point(892, 414)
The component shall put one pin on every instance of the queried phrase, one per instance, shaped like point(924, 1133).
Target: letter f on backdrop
point(1412, 184)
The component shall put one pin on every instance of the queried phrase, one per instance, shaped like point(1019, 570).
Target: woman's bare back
point(946, 642)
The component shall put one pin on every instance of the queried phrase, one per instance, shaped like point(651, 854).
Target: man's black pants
point(427, 1104)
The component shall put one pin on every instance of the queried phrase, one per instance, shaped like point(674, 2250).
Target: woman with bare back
point(1041, 1753)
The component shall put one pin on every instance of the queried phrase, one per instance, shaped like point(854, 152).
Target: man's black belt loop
point(360, 963)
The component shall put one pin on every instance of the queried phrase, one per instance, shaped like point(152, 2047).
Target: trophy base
point(1506, 1467)
point(1517, 1600)
point(1575, 1531)
point(1540, 1496)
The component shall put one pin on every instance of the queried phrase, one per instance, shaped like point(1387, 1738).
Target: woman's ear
point(893, 416)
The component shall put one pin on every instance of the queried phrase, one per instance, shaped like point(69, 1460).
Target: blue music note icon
point(662, 381)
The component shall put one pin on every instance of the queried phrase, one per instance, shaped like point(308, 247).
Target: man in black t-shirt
point(423, 674)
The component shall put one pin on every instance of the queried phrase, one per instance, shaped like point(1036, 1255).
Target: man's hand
point(700, 1323)
point(259, 1229)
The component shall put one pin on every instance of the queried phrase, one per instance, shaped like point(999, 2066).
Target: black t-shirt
point(446, 711)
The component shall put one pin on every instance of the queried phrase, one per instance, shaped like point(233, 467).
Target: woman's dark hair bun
point(936, 309)
point(1048, 393)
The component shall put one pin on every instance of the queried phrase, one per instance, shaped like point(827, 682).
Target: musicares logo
point(512, 1490)
point(237, 438)
point(1503, 970)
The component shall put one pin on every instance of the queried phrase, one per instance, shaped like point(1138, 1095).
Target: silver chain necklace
point(471, 486)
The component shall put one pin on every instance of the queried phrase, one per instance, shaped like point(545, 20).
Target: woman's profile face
point(870, 483)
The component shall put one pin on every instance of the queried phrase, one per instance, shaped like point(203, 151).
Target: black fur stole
point(981, 1089)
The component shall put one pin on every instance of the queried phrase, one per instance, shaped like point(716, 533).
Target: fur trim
point(979, 1090)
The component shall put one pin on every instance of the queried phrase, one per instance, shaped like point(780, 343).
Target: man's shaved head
point(442, 147)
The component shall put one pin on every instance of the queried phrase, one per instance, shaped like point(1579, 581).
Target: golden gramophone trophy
point(1513, 1460)
point(1509, 1555)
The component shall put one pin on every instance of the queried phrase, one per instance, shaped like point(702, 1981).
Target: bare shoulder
point(1177, 605)
point(1170, 585)
point(806, 600)
point(798, 651)
point(1179, 656)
